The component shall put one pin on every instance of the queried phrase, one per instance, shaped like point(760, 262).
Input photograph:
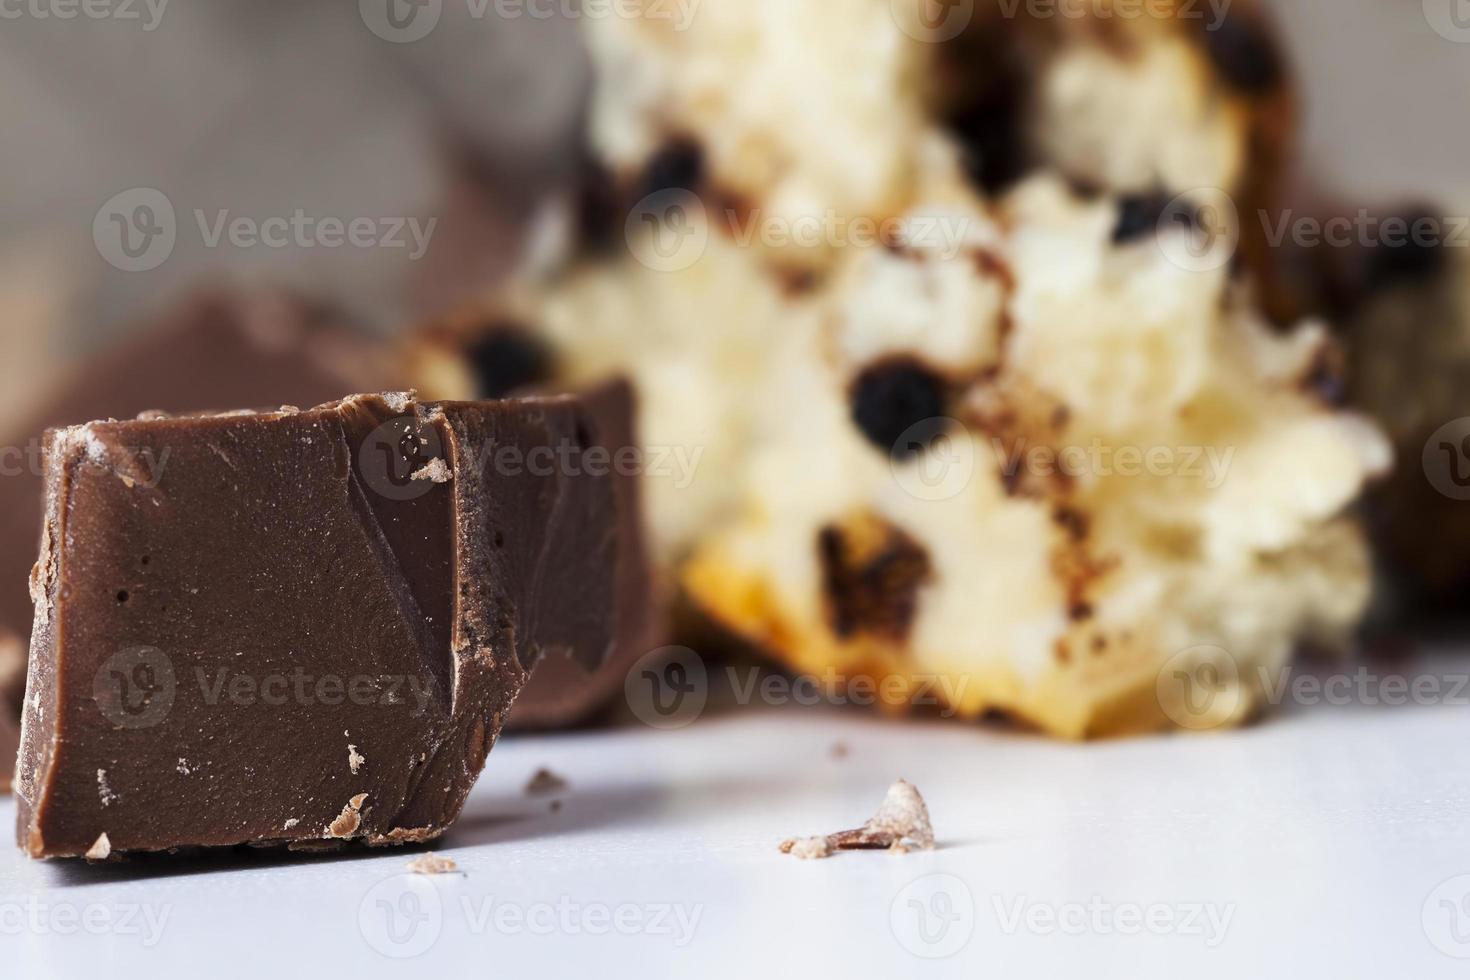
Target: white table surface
point(1328, 841)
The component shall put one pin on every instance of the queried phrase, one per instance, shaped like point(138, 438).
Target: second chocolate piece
point(300, 627)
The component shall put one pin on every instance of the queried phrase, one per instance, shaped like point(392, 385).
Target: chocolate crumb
point(839, 750)
point(433, 864)
point(901, 823)
point(349, 819)
point(545, 781)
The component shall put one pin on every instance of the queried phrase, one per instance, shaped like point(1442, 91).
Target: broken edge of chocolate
point(273, 597)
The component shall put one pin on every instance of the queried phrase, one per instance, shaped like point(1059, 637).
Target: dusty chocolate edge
point(201, 579)
point(215, 347)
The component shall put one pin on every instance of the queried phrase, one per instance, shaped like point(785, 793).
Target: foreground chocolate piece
point(216, 347)
point(300, 627)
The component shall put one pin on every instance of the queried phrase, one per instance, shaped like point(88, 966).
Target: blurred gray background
point(262, 107)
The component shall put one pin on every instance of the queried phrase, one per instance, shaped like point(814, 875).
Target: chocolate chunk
point(507, 358)
point(891, 399)
point(215, 348)
point(289, 628)
point(1243, 52)
point(562, 691)
point(871, 575)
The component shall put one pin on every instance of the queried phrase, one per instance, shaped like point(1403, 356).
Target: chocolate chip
point(1075, 523)
point(599, 211)
point(891, 399)
point(507, 358)
point(1245, 55)
point(1141, 214)
point(991, 131)
point(679, 165)
point(1325, 377)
